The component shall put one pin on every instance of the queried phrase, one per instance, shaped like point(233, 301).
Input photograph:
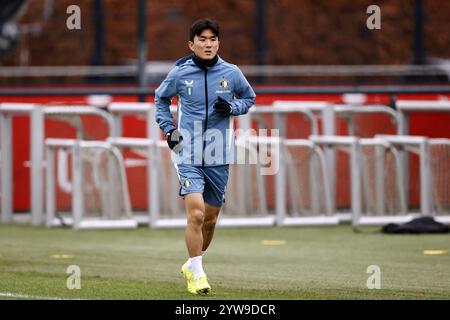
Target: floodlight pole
point(419, 49)
point(142, 45)
point(260, 38)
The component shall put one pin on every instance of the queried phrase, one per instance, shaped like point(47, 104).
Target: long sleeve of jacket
point(163, 98)
point(245, 96)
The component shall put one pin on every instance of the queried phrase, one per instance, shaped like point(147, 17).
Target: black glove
point(222, 107)
point(173, 138)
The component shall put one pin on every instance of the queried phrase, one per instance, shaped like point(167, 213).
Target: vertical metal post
point(419, 48)
point(6, 167)
point(243, 175)
point(355, 174)
point(351, 127)
point(280, 178)
point(379, 178)
point(425, 182)
point(280, 186)
point(117, 129)
point(313, 174)
point(50, 186)
point(98, 16)
point(401, 188)
point(77, 185)
point(402, 128)
point(404, 158)
point(328, 121)
point(327, 194)
point(313, 183)
point(260, 11)
point(260, 32)
point(142, 45)
point(114, 205)
point(37, 161)
point(244, 121)
point(153, 167)
point(366, 194)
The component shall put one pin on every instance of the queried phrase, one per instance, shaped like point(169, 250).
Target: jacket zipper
point(206, 117)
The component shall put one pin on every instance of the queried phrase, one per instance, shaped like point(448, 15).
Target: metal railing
point(310, 110)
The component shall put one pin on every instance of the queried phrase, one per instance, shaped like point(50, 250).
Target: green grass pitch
point(313, 263)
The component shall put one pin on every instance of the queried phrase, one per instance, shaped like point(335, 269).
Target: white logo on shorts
point(186, 183)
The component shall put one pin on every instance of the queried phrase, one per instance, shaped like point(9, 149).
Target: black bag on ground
point(417, 225)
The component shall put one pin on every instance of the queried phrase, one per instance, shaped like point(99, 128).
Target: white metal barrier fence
point(304, 185)
point(107, 182)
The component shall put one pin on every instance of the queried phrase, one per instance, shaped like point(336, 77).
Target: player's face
point(205, 45)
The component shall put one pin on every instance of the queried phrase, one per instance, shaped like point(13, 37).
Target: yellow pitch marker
point(435, 252)
point(273, 242)
point(61, 256)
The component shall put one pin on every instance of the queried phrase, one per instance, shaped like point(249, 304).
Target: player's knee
point(196, 217)
point(210, 222)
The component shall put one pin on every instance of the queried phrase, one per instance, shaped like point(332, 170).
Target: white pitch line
point(27, 296)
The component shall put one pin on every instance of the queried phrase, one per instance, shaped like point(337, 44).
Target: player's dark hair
point(202, 24)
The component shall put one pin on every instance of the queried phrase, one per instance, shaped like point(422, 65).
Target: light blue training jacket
point(208, 137)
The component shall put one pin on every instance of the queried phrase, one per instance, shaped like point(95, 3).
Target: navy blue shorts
point(210, 181)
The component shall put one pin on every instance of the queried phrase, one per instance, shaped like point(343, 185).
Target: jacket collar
point(190, 59)
point(205, 64)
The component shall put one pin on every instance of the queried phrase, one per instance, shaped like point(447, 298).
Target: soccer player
point(210, 93)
